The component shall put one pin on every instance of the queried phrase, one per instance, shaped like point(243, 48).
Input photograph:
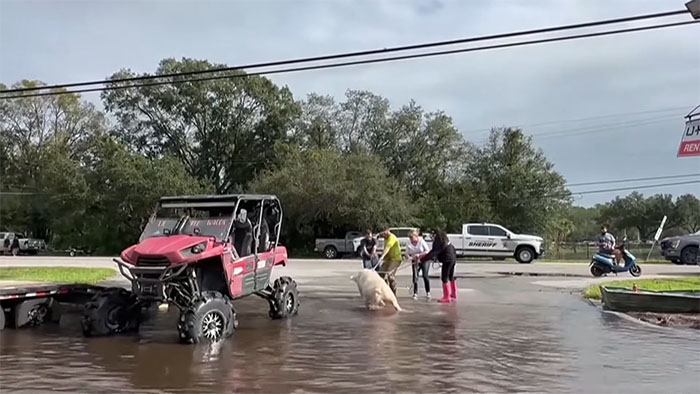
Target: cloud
point(75, 40)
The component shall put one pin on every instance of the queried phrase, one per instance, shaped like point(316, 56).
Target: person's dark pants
point(448, 272)
point(423, 267)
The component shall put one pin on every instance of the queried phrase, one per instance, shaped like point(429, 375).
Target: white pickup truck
point(493, 240)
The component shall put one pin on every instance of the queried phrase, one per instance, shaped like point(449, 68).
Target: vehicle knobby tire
point(112, 311)
point(636, 271)
point(209, 319)
point(284, 298)
point(689, 255)
point(525, 255)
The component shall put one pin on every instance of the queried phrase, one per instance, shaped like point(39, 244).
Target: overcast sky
point(633, 89)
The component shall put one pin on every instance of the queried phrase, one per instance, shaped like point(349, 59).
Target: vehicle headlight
point(196, 249)
point(675, 244)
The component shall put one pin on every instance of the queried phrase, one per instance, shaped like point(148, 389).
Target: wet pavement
point(505, 334)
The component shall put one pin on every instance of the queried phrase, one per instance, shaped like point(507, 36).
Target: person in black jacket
point(445, 253)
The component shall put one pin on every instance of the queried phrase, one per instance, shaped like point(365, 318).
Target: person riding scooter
point(606, 244)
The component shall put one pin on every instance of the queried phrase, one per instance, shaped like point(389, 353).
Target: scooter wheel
point(596, 271)
point(636, 271)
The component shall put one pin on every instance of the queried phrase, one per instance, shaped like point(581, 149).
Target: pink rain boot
point(445, 294)
point(454, 290)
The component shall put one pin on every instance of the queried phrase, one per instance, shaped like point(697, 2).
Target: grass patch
point(690, 283)
point(57, 274)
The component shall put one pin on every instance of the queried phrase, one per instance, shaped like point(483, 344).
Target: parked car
point(496, 241)
point(27, 245)
point(401, 234)
point(335, 247)
point(681, 249)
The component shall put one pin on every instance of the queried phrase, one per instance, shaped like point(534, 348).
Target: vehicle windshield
point(158, 226)
point(208, 222)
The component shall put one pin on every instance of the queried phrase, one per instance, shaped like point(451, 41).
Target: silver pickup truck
point(26, 245)
point(335, 247)
point(682, 249)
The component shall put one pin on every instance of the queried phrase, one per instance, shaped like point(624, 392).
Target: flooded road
point(504, 335)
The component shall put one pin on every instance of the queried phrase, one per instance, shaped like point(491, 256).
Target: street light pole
point(693, 7)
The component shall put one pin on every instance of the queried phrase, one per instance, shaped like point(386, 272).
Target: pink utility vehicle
point(199, 253)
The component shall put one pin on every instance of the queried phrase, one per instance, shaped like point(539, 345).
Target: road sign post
point(657, 236)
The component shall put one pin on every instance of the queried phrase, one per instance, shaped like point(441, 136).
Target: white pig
point(374, 290)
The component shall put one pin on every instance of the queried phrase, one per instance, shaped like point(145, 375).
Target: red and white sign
point(690, 143)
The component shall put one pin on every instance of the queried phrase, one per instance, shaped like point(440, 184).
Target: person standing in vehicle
point(606, 244)
point(368, 250)
point(391, 259)
point(446, 254)
point(417, 248)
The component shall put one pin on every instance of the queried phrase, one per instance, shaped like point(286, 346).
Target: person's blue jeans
point(370, 262)
point(424, 267)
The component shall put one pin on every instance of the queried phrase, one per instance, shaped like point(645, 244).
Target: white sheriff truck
point(493, 240)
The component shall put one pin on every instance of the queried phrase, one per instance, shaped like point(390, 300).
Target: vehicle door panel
point(478, 242)
point(499, 239)
point(240, 274)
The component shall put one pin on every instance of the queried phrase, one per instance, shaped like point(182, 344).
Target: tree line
point(78, 175)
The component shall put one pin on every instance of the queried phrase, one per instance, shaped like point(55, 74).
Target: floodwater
point(504, 335)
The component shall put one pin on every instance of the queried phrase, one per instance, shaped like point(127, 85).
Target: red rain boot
point(454, 290)
point(445, 294)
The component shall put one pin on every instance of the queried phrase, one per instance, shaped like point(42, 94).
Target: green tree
point(634, 211)
point(40, 139)
point(586, 222)
point(522, 188)
point(326, 192)
point(124, 187)
point(223, 131)
point(687, 213)
point(448, 205)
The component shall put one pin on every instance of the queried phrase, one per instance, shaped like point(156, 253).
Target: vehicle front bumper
point(671, 254)
point(148, 283)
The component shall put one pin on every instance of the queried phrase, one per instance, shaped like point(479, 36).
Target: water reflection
point(512, 338)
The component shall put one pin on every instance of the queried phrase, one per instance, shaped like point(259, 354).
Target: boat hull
point(625, 300)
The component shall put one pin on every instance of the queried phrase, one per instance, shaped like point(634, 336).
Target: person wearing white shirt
point(417, 248)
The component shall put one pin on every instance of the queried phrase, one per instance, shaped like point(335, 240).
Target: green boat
point(621, 299)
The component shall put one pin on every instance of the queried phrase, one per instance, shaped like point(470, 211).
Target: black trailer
point(28, 305)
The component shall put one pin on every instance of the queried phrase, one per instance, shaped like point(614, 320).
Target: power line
point(358, 62)
point(632, 180)
point(636, 187)
point(601, 128)
point(669, 109)
point(361, 53)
